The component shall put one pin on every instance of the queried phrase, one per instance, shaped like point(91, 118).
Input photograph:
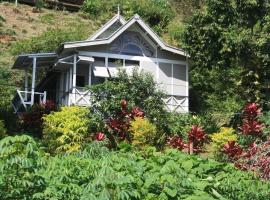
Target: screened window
point(80, 81)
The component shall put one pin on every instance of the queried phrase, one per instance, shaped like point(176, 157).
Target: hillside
point(20, 23)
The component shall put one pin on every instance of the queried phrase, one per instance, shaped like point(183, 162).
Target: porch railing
point(82, 97)
point(23, 99)
point(177, 103)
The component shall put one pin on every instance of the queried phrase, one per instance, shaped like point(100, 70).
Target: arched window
point(132, 49)
point(131, 43)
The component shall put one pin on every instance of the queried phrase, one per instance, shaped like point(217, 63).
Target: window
point(132, 49)
point(80, 81)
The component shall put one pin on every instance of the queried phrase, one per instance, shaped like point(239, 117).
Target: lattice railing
point(177, 103)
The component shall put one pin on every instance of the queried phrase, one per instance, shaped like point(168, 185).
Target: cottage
point(118, 44)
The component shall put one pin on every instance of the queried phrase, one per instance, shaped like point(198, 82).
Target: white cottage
point(118, 44)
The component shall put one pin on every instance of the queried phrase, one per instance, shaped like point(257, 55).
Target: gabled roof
point(135, 19)
point(116, 19)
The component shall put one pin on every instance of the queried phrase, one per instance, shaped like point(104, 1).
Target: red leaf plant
point(256, 159)
point(252, 127)
point(251, 124)
point(232, 150)
point(177, 142)
point(196, 136)
point(99, 136)
point(251, 111)
point(120, 124)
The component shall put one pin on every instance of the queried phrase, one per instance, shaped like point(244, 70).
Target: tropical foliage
point(143, 132)
point(97, 173)
point(65, 131)
point(228, 41)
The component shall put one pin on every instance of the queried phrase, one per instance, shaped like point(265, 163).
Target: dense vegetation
point(97, 173)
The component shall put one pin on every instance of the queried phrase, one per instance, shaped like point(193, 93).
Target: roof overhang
point(43, 60)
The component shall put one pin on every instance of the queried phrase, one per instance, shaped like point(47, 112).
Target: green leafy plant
point(66, 130)
point(20, 160)
point(139, 90)
point(3, 130)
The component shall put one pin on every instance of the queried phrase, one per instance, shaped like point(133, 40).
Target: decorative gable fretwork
point(131, 43)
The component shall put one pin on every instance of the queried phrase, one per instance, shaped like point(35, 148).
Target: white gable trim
point(110, 39)
point(108, 25)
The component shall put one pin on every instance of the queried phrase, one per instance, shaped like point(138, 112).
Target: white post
point(172, 99)
point(74, 77)
point(187, 87)
point(44, 97)
point(66, 88)
point(16, 3)
point(89, 74)
point(25, 84)
point(61, 92)
point(33, 80)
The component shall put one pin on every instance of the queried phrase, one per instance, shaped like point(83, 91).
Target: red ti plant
point(232, 150)
point(99, 136)
point(251, 124)
point(252, 127)
point(177, 142)
point(120, 123)
point(195, 136)
point(251, 111)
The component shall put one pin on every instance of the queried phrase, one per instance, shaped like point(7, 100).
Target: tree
point(229, 45)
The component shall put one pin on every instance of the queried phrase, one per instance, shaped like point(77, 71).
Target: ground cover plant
point(97, 173)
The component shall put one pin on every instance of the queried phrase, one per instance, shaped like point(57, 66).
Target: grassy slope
point(18, 23)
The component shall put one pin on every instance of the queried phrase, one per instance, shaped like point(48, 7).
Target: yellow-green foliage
point(143, 132)
point(222, 137)
point(66, 130)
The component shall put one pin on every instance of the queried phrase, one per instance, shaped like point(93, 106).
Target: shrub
point(143, 132)
point(20, 160)
point(32, 119)
point(222, 137)
point(66, 130)
point(3, 130)
point(139, 90)
point(180, 123)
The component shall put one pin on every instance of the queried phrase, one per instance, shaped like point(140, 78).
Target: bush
point(20, 160)
point(66, 130)
point(32, 119)
point(139, 90)
point(221, 138)
point(180, 124)
point(3, 130)
point(143, 132)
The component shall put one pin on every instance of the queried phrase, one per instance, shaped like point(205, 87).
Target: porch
point(69, 78)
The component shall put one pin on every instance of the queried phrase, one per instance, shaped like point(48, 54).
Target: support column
point(70, 86)
point(89, 74)
point(74, 77)
point(66, 88)
point(33, 80)
point(25, 84)
point(187, 86)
